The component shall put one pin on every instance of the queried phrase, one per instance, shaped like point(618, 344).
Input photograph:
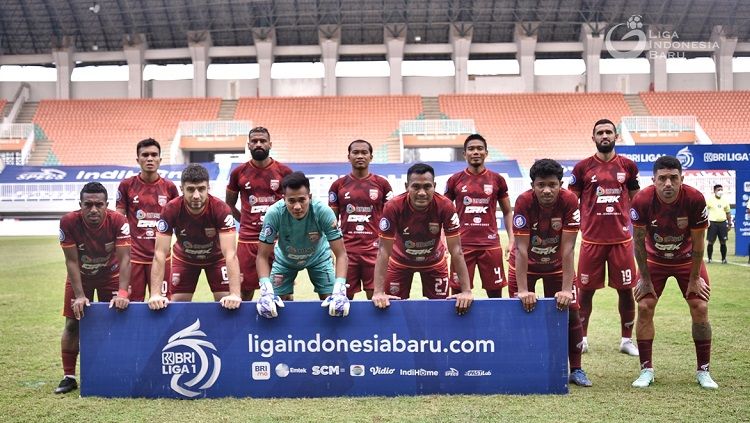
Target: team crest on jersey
point(556, 223)
point(175, 279)
point(277, 280)
point(350, 208)
point(682, 222)
point(313, 236)
point(210, 232)
point(374, 194)
point(109, 247)
point(621, 177)
point(162, 200)
point(488, 189)
point(434, 227)
point(274, 184)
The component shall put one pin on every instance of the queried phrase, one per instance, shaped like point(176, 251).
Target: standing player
point(606, 183)
point(96, 244)
point(476, 192)
point(307, 233)
point(669, 221)
point(204, 227)
point(413, 222)
point(720, 221)
point(546, 225)
point(140, 198)
point(357, 200)
point(258, 184)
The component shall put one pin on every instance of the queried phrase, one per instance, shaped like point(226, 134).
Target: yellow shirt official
point(717, 208)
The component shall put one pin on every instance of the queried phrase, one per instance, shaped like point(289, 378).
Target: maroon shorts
point(105, 290)
point(360, 273)
point(660, 273)
point(552, 283)
point(434, 280)
point(247, 252)
point(491, 269)
point(140, 279)
point(185, 276)
point(620, 265)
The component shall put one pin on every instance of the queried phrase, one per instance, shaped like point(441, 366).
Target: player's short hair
point(543, 168)
point(602, 122)
point(295, 180)
point(194, 174)
point(667, 162)
point(148, 142)
point(717, 186)
point(420, 169)
point(94, 188)
point(369, 146)
point(473, 137)
point(259, 130)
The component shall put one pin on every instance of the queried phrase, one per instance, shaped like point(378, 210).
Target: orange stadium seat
point(318, 129)
point(532, 126)
point(106, 131)
point(725, 116)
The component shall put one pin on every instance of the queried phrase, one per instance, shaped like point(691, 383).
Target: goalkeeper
point(306, 234)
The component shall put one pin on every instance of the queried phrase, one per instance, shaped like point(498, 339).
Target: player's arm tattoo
point(639, 240)
point(702, 331)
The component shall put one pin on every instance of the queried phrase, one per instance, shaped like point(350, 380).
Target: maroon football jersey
point(476, 198)
point(605, 202)
point(416, 234)
point(257, 188)
point(359, 203)
point(544, 227)
point(142, 202)
point(197, 235)
point(96, 245)
point(668, 226)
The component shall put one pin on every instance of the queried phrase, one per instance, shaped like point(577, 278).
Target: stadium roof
point(35, 26)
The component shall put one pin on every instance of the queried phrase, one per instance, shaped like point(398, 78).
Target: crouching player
point(545, 225)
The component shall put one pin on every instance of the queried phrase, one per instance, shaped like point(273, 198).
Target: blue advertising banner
point(692, 157)
point(83, 174)
point(200, 350)
point(742, 213)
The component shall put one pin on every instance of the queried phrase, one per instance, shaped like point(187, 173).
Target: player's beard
point(259, 154)
point(605, 148)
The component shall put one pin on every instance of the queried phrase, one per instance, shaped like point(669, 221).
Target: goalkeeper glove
point(337, 302)
point(268, 301)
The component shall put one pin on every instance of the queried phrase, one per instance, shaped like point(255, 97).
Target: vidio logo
point(185, 355)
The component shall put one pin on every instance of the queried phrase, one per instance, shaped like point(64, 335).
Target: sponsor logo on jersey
point(607, 199)
point(467, 201)
point(477, 219)
point(135, 200)
point(140, 214)
point(347, 196)
point(384, 224)
point(519, 221)
point(274, 184)
point(434, 227)
point(609, 209)
point(476, 209)
point(189, 354)
point(358, 218)
point(374, 194)
point(350, 208)
point(556, 223)
point(252, 200)
point(464, 189)
point(682, 222)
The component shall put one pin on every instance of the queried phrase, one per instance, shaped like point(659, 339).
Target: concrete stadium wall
point(631, 83)
point(496, 84)
point(428, 86)
point(558, 83)
point(742, 81)
point(98, 90)
point(363, 86)
point(691, 81)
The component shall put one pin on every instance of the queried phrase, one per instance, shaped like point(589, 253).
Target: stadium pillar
point(460, 37)
point(657, 57)
point(134, 47)
point(62, 55)
point(591, 37)
point(525, 38)
point(265, 42)
point(394, 37)
point(723, 49)
point(198, 43)
point(329, 38)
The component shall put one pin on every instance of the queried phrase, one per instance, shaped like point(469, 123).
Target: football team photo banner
point(415, 347)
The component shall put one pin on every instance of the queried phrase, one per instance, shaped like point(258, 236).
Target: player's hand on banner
point(77, 305)
point(383, 300)
point(564, 299)
point(463, 301)
point(157, 302)
point(120, 301)
point(700, 288)
point(269, 302)
point(231, 301)
point(644, 288)
point(337, 302)
point(528, 300)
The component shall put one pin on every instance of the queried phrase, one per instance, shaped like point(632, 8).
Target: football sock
point(644, 351)
point(626, 307)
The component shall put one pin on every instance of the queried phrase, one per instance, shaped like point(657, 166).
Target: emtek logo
point(327, 370)
point(261, 370)
point(178, 358)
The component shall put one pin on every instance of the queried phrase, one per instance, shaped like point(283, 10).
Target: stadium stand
point(318, 129)
point(528, 126)
point(109, 129)
point(724, 115)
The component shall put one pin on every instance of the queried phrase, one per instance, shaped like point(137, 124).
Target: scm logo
point(327, 370)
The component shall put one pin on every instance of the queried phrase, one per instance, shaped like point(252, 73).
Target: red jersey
point(96, 245)
point(603, 188)
point(544, 227)
point(142, 202)
point(416, 234)
point(359, 203)
point(257, 188)
point(197, 235)
point(476, 198)
point(668, 226)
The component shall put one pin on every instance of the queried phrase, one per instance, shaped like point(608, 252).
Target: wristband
point(341, 281)
point(123, 293)
point(264, 279)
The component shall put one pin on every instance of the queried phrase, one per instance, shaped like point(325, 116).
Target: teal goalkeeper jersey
point(300, 242)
